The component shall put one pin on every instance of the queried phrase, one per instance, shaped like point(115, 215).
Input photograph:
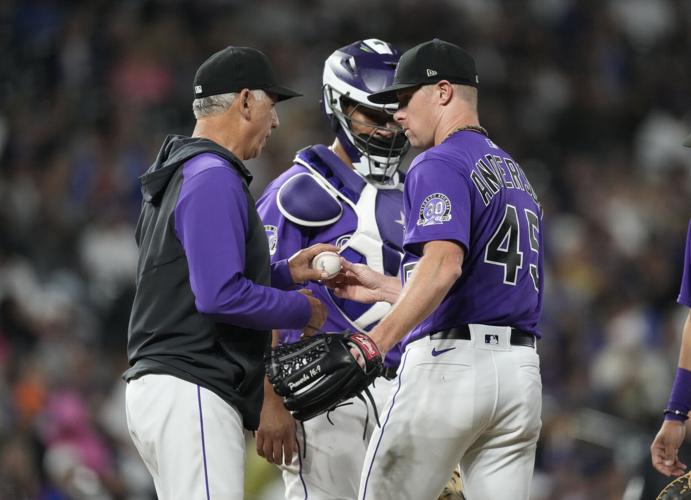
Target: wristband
point(680, 399)
point(675, 415)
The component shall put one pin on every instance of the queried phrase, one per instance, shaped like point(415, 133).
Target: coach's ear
point(244, 102)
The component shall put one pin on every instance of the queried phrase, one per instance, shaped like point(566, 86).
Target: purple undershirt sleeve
point(679, 402)
point(211, 224)
point(280, 275)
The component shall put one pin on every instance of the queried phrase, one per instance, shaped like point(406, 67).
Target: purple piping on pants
point(201, 425)
point(302, 479)
point(383, 427)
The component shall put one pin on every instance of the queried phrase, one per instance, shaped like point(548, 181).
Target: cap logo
point(197, 89)
point(431, 72)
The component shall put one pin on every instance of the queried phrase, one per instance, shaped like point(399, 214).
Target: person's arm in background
point(665, 447)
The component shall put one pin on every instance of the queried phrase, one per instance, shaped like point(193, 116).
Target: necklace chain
point(474, 128)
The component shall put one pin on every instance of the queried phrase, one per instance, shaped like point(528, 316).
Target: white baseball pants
point(190, 439)
point(467, 401)
point(329, 467)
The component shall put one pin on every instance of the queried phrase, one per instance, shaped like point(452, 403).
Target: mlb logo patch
point(492, 339)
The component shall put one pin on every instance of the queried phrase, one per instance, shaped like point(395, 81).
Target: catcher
point(349, 194)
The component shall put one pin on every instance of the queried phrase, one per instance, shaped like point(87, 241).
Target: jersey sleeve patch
point(434, 209)
point(305, 202)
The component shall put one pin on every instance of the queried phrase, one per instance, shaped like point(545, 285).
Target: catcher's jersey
point(685, 292)
point(321, 200)
point(470, 191)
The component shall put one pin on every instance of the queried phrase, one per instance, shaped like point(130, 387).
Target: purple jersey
point(297, 214)
point(470, 191)
point(685, 292)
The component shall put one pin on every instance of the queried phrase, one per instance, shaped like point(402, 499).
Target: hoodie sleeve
point(211, 224)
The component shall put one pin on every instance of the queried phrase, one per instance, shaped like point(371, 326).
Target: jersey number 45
point(504, 248)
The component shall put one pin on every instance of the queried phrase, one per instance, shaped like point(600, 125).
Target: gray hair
point(205, 107)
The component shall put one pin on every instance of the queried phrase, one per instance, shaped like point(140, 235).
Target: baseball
point(329, 262)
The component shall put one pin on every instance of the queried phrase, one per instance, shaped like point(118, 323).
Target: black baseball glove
point(679, 489)
point(317, 374)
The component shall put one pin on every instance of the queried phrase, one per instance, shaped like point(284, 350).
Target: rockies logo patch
point(435, 209)
point(343, 240)
point(272, 236)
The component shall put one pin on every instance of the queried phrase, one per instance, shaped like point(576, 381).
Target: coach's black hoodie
point(166, 333)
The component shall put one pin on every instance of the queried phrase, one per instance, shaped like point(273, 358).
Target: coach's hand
point(300, 263)
point(276, 434)
point(665, 446)
point(318, 314)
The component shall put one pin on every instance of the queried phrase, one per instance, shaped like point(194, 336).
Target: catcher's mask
point(352, 73)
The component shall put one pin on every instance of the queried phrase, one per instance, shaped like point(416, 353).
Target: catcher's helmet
point(352, 73)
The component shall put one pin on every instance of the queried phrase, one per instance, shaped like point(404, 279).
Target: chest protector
point(316, 198)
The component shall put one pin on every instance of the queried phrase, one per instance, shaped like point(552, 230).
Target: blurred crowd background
point(593, 97)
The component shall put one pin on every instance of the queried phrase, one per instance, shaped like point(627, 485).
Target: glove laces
point(361, 398)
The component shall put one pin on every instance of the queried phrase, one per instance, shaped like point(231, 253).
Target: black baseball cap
point(429, 63)
point(235, 68)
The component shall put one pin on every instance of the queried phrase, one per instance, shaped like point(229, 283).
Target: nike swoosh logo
point(442, 351)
